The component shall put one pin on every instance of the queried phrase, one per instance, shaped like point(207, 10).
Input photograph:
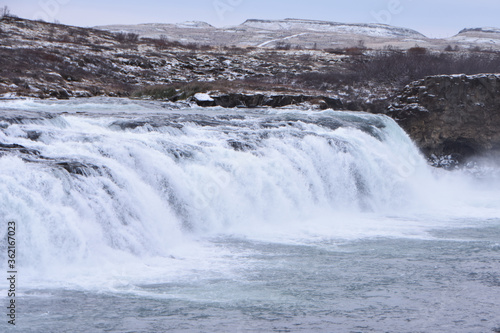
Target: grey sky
point(436, 18)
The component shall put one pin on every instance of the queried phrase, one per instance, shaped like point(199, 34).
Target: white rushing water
point(111, 195)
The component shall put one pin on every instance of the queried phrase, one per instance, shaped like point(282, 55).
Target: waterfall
point(138, 185)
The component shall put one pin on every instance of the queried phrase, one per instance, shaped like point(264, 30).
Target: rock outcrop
point(456, 115)
point(231, 100)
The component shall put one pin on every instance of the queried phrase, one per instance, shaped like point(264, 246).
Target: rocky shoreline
point(235, 100)
point(446, 115)
point(450, 117)
point(457, 115)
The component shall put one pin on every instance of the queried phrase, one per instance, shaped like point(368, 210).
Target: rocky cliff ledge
point(456, 115)
point(232, 100)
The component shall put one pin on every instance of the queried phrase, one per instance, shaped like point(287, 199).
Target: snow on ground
point(281, 39)
point(483, 29)
point(475, 40)
point(194, 25)
point(375, 30)
point(308, 34)
point(201, 97)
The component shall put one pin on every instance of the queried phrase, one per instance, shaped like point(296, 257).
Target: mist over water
point(215, 206)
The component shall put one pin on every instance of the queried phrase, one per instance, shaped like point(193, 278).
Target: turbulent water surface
point(139, 217)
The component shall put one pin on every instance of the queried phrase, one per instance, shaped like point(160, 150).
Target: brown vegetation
point(121, 63)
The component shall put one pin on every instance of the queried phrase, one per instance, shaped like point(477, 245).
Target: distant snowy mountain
point(372, 30)
point(481, 37)
point(484, 29)
point(194, 25)
point(309, 34)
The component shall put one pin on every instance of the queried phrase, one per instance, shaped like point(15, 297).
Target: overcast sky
point(434, 18)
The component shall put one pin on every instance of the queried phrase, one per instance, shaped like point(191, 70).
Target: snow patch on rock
point(201, 97)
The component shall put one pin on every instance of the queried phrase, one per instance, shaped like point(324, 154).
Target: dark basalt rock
point(78, 168)
point(154, 123)
point(33, 135)
point(59, 94)
point(456, 115)
point(178, 153)
point(15, 148)
point(239, 146)
point(34, 156)
point(24, 117)
point(233, 100)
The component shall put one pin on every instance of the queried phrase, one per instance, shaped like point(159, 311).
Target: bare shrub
point(401, 68)
point(5, 12)
point(205, 47)
point(353, 51)
point(305, 58)
point(156, 92)
point(127, 37)
point(282, 45)
point(182, 90)
point(335, 50)
point(191, 46)
point(417, 50)
point(132, 38)
point(233, 49)
point(65, 39)
point(161, 43)
point(391, 69)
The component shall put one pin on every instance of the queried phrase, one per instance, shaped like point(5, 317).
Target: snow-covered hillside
point(373, 30)
point(479, 37)
point(310, 34)
point(194, 25)
point(483, 29)
point(271, 33)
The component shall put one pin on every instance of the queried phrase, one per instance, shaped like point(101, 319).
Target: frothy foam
point(149, 193)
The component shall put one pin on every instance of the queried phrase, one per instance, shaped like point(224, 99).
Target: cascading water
point(106, 191)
